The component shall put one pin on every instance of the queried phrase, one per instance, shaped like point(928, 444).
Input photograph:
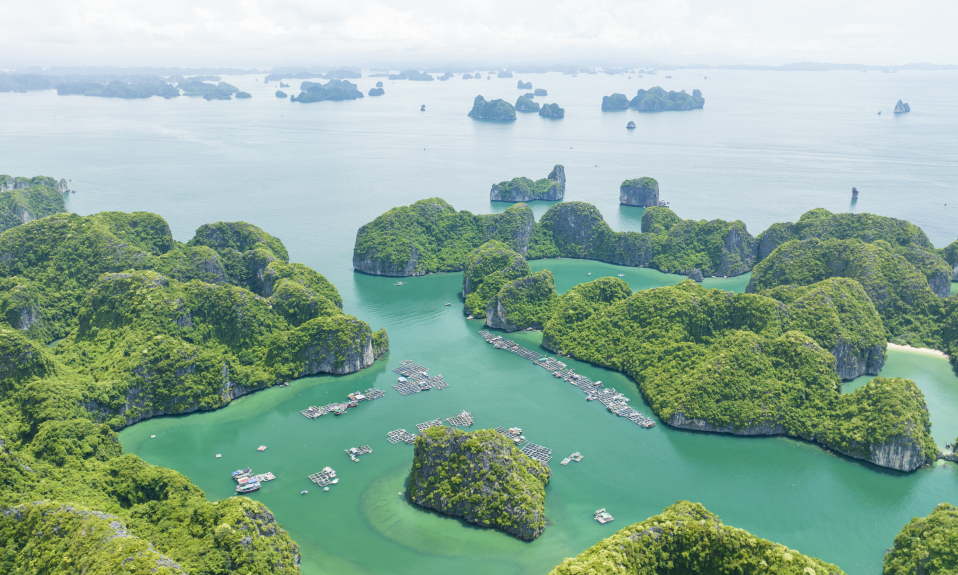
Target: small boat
point(621, 275)
point(325, 488)
point(242, 472)
point(218, 455)
point(448, 304)
point(303, 492)
point(261, 448)
point(152, 436)
point(590, 273)
point(248, 488)
point(335, 481)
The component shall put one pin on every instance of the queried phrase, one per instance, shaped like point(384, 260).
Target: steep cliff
point(26, 199)
point(487, 269)
point(639, 192)
point(523, 303)
point(492, 110)
point(687, 538)
point(481, 477)
point(615, 102)
point(552, 111)
point(522, 189)
point(524, 104)
point(431, 236)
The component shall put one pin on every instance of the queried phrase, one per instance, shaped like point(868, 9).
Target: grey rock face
point(695, 275)
point(639, 192)
point(740, 252)
point(901, 454)
point(850, 365)
point(679, 420)
point(902, 107)
point(519, 190)
point(371, 264)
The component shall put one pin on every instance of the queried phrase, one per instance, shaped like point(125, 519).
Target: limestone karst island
point(369, 288)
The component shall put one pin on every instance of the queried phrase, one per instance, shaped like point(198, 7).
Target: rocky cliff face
point(902, 107)
point(639, 192)
point(524, 104)
point(901, 454)
point(480, 477)
point(550, 188)
point(523, 303)
point(552, 111)
point(850, 364)
point(369, 263)
point(615, 102)
point(679, 420)
point(739, 255)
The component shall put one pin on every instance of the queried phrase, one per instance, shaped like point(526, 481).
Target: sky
point(266, 33)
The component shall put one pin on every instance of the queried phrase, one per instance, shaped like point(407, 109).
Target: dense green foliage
point(909, 308)
point(25, 199)
point(656, 99)
point(615, 102)
point(685, 539)
point(332, 90)
point(140, 88)
point(744, 363)
point(552, 111)
point(492, 110)
point(926, 545)
point(220, 91)
point(524, 104)
point(481, 477)
point(431, 236)
point(487, 269)
point(523, 303)
point(950, 255)
point(24, 82)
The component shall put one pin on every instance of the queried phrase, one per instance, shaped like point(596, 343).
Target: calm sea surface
point(767, 147)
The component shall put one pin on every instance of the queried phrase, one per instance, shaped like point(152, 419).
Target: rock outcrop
point(695, 275)
point(524, 104)
point(639, 192)
point(522, 189)
point(541, 92)
point(525, 303)
point(679, 420)
point(658, 100)
point(332, 90)
point(630, 125)
point(615, 102)
point(552, 111)
point(902, 107)
point(498, 110)
point(480, 477)
point(23, 200)
point(525, 85)
point(376, 91)
point(281, 94)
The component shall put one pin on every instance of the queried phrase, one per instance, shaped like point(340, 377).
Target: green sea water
point(789, 491)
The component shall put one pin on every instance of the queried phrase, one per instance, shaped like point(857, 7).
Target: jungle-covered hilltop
point(481, 477)
point(107, 321)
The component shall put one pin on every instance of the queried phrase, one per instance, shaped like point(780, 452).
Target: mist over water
point(767, 147)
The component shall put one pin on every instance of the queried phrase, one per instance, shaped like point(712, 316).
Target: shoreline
point(921, 350)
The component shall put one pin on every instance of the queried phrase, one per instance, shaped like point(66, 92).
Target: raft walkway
point(354, 452)
point(514, 433)
point(464, 419)
point(398, 435)
point(314, 412)
point(613, 401)
point(424, 426)
point(414, 378)
point(537, 452)
point(324, 478)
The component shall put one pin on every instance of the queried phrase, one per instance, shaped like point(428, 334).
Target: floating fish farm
point(414, 378)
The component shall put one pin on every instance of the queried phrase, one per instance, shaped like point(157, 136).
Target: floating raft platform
point(355, 452)
point(424, 426)
point(513, 433)
point(603, 517)
point(398, 435)
point(325, 477)
point(268, 476)
point(314, 412)
point(464, 419)
point(574, 457)
point(537, 452)
point(414, 378)
point(614, 402)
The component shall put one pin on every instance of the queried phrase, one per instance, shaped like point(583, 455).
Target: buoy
point(152, 436)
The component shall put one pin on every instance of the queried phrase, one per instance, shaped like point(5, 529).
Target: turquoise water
point(767, 147)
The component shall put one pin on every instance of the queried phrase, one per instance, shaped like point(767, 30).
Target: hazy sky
point(265, 33)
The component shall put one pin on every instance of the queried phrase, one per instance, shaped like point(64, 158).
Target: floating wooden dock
point(464, 419)
point(602, 516)
point(614, 401)
point(414, 378)
point(398, 435)
point(513, 433)
point(324, 478)
point(537, 452)
point(314, 412)
point(574, 457)
point(424, 426)
point(355, 452)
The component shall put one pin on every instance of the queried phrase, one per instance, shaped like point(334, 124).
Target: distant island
point(23, 200)
point(341, 74)
point(541, 92)
point(280, 94)
point(552, 111)
point(492, 110)
point(332, 90)
point(144, 88)
point(481, 477)
point(639, 192)
point(902, 107)
point(525, 85)
point(376, 91)
point(414, 75)
point(658, 100)
point(615, 102)
point(522, 189)
point(220, 91)
point(524, 104)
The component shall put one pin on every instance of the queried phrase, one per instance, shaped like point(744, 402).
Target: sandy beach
point(922, 350)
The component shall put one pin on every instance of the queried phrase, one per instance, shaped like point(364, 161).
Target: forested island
point(146, 326)
point(552, 111)
point(658, 100)
point(332, 90)
point(23, 200)
point(524, 104)
point(492, 110)
point(220, 91)
point(140, 88)
point(522, 189)
point(481, 477)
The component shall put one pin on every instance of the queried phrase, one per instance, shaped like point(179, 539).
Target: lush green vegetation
point(552, 111)
point(523, 303)
point(926, 545)
point(522, 189)
point(745, 363)
point(332, 90)
point(656, 99)
point(487, 269)
point(615, 102)
point(911, 311)
point(481, 477)
point(524, 104)
point(431, 236)
point(492, 110)
point(26, 199)
point(140, 88)
point(687, 538)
